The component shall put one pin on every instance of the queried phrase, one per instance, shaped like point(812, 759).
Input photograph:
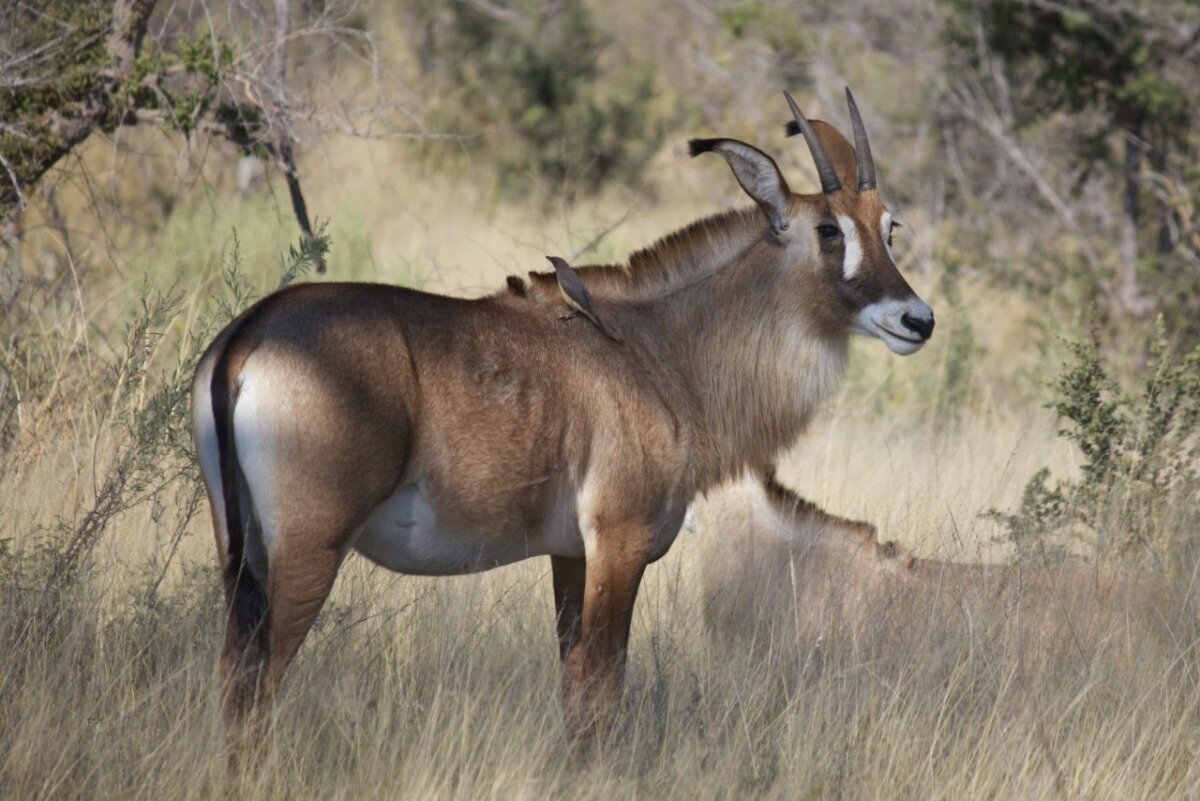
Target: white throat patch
point(854, 251)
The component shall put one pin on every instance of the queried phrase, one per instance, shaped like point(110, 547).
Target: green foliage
point(65, 47)
point(65, 40)
point(61, 84)
point(200, 62)
point(197, 54)
point(1141, 457)
point(1075, 56)
point(303, 258)
point(1099, 96)
point(535, 87)
point(787, 34)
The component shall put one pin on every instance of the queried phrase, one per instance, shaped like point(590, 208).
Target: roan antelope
point(780, 571)
point(441, 436)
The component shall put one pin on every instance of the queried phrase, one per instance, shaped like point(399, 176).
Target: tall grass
point(447, 688)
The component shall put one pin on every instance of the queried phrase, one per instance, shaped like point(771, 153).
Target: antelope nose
point(921, 326)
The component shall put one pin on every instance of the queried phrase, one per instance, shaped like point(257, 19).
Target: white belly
point(404, 534)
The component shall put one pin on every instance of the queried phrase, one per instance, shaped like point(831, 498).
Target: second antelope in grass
point(780, 573)
point(440, 436)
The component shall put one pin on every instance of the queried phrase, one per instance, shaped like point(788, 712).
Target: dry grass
point(447, 688)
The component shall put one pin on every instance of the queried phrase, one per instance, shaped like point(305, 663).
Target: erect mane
point(697, 249)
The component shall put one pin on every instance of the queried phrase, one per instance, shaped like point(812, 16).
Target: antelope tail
point(249, 616)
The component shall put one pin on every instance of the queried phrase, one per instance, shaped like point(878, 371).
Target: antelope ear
point(837, 148)
point(757, 173)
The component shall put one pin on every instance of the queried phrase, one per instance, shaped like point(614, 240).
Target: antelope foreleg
point(569, 575)
point(594, 664)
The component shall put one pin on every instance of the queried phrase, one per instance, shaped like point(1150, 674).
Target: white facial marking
point(854, 251)
point(885, 228)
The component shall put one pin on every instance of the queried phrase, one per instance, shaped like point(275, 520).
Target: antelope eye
point(829, 231)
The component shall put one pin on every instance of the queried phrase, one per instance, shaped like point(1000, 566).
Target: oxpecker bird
point(577, 297)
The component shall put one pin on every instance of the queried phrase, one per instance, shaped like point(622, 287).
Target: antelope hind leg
point(302, 568)
point(242, 667)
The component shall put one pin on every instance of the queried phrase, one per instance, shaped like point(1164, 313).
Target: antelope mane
point(675, 261)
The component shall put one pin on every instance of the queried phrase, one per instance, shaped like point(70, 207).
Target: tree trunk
point(1129, 290)
point(10, 258)
point(1166, 242)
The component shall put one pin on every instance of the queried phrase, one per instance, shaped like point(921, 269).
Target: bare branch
point(970, 106)
point(16, 183)
point(497, 13)
point(601, 235)
point(243, 99)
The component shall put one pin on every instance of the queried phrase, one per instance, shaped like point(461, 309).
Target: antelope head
point(839, 266)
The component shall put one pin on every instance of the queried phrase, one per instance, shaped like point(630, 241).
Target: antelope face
point(853, 234)
point(843, 234)
point(854, 238)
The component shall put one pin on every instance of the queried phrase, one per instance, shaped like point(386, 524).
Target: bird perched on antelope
point(575, 294)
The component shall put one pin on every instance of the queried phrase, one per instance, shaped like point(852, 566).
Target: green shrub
point(1140, 452)
point(787, 31)
point(532, 86)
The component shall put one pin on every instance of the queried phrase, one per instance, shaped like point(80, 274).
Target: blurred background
point(164, 163)
point(1041, 156)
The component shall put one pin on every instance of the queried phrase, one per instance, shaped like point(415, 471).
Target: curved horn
point(828, 176)
point(863, 158)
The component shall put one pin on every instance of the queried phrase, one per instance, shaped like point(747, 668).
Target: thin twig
point(287, 157)
point(595, 240)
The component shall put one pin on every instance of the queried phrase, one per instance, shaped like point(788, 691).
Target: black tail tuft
point(698, 146)
point(249, 622)
point(791, 128)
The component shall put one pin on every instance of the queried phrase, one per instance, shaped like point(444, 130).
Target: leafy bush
point(531, 82)
point(786, 31)
point(1086, 110)
point(1140, 458)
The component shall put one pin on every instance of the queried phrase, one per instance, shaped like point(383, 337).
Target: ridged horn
point(825, 171)
point(862, 148)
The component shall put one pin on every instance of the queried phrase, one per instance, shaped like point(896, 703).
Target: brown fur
point(499, 410)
